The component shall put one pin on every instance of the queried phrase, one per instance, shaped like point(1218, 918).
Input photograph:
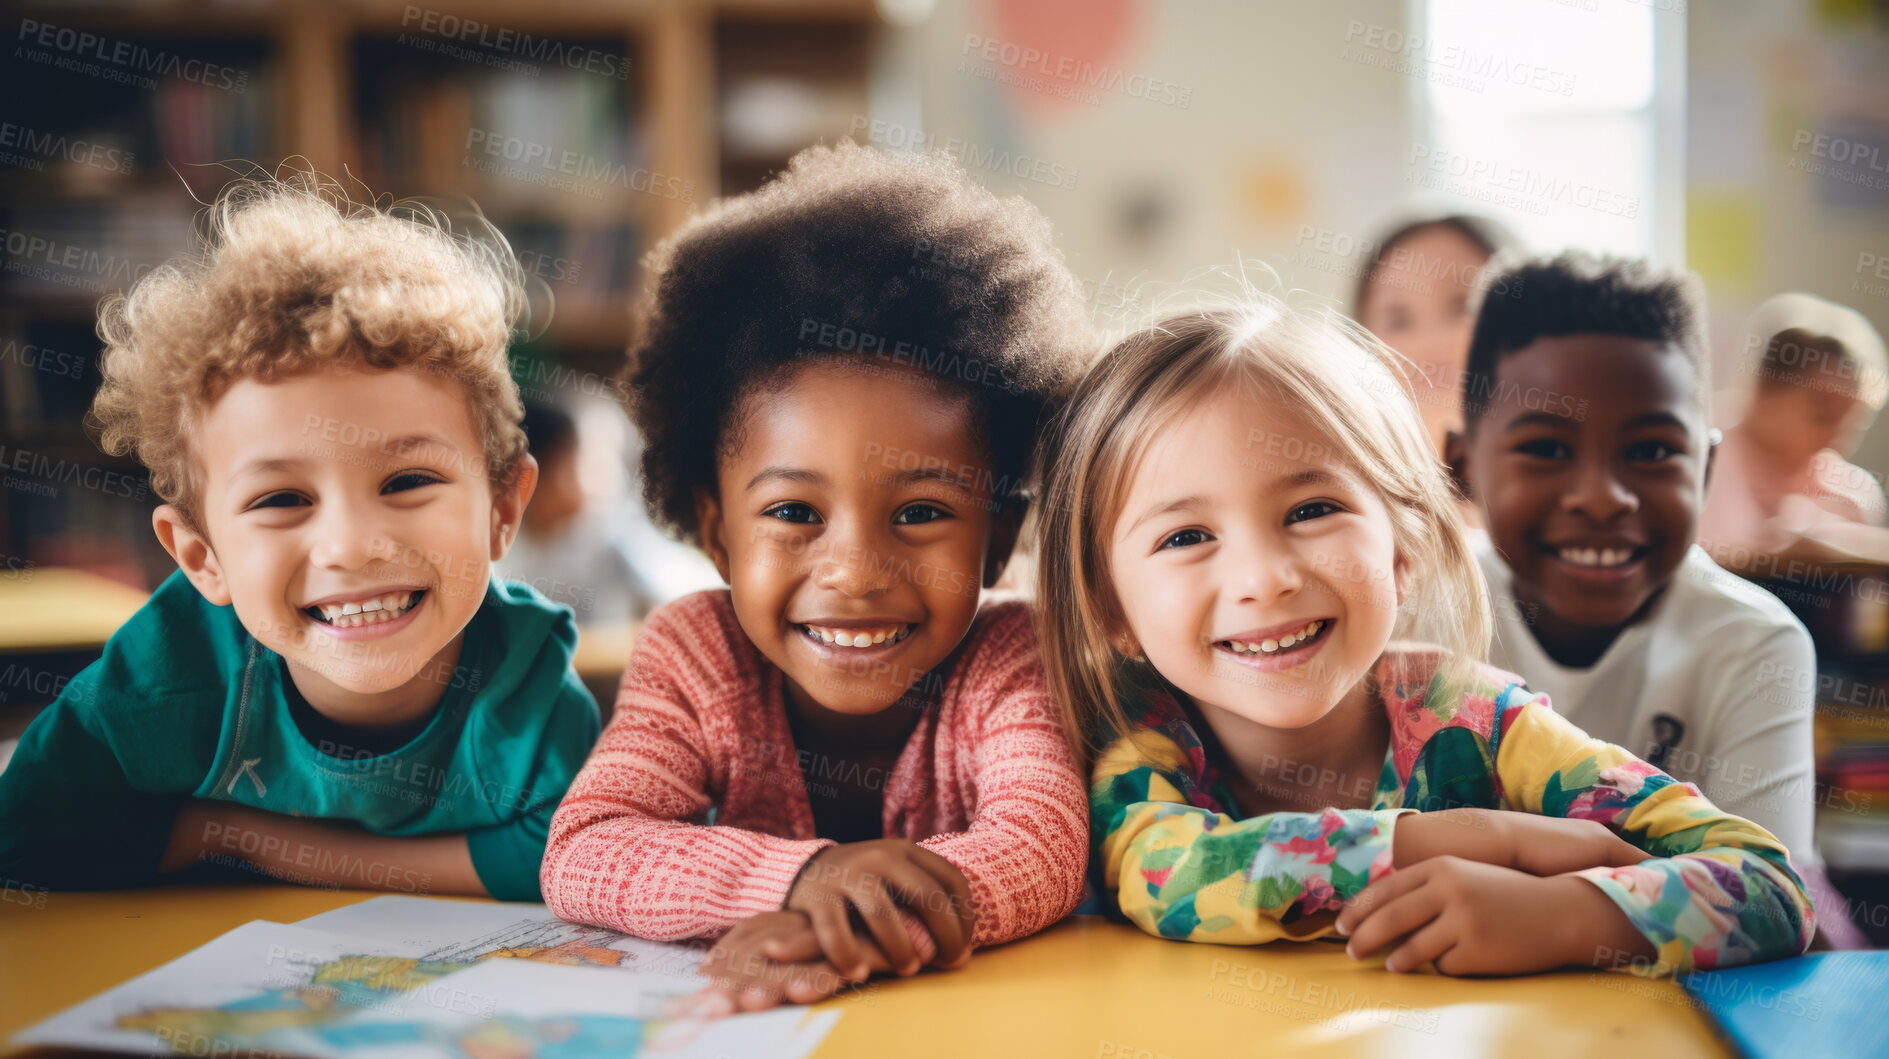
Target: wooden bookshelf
point(625, 98)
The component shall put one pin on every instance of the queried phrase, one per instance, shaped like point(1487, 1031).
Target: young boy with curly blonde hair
point(332, 688)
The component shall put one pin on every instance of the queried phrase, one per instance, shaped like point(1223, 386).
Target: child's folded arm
point(624, 850)
point(71, 814)
point(1182, 871)
point(611, 863)
point(1026, 851)
point(323, 852)
point(1716, 891)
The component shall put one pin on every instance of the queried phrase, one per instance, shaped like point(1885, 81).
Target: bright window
point(1560, 119)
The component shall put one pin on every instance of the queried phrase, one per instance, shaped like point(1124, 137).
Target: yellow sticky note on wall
point(1722, 236)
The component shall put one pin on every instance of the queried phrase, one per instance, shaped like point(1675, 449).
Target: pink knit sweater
point(692, 812)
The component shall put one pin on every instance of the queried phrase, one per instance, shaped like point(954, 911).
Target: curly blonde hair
point(294, 276)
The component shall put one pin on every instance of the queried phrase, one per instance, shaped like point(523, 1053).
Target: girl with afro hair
point(845, 762)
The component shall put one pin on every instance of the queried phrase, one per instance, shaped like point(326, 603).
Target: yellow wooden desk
point(1085, 988)
point(51, 608)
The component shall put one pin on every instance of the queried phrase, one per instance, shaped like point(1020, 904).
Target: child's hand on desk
point(868, 883)
point(1538, 845)
point(1476, 919)
point(767, 959)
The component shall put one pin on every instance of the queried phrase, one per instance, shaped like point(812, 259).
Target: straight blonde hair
point(1348, 387)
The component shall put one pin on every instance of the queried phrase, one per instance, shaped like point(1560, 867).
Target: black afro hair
point(867, 258)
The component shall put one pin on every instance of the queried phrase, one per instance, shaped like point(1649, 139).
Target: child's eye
point(406, 480)
point(1545, 449)
point(792, 511)
point(1312, 510)
point(1185, 538)
point(1650, 451)
point(919, 514)
point(279, 498)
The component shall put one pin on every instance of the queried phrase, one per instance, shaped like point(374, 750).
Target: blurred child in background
point(1817, 377)
point(1418, 293)
point(586, 541)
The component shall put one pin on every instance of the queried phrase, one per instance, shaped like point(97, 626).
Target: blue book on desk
point(1830, 1004)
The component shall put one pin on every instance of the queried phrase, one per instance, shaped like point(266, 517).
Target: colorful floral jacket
point(1715, 891)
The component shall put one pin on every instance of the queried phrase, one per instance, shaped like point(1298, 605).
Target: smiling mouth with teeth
point(1266, 647)
point(885, 634)
point(365, 611)
point(1601, 557)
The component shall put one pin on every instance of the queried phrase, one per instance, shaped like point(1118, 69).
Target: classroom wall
point(1771, 207)
point(1258, 127)
point(1283, 133)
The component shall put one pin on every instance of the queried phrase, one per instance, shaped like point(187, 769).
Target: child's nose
point(851, 579)
point(856, 566)
point(343, 541)
point(1599, 494)
point(1261, 573)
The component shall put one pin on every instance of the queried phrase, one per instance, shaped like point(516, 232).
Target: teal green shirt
point(184, 703)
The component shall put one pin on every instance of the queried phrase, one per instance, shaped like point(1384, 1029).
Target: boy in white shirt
point(1587, 447)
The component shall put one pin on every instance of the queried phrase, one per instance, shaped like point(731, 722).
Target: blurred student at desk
point(1815, 375)
point(586, 542)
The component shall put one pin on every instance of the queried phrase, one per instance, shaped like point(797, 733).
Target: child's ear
point(193, 553)
point(1005, 525)
point(1456, 455)
point(1400, 576)
point(711, 528)
point(510, 497)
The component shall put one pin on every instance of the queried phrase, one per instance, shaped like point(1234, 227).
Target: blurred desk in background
point(45, 610)
point(53, 623)
point(603, 653)
point(1086, 987)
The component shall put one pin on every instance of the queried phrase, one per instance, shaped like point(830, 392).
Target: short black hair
point(1580, 294)
point(857, 257)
